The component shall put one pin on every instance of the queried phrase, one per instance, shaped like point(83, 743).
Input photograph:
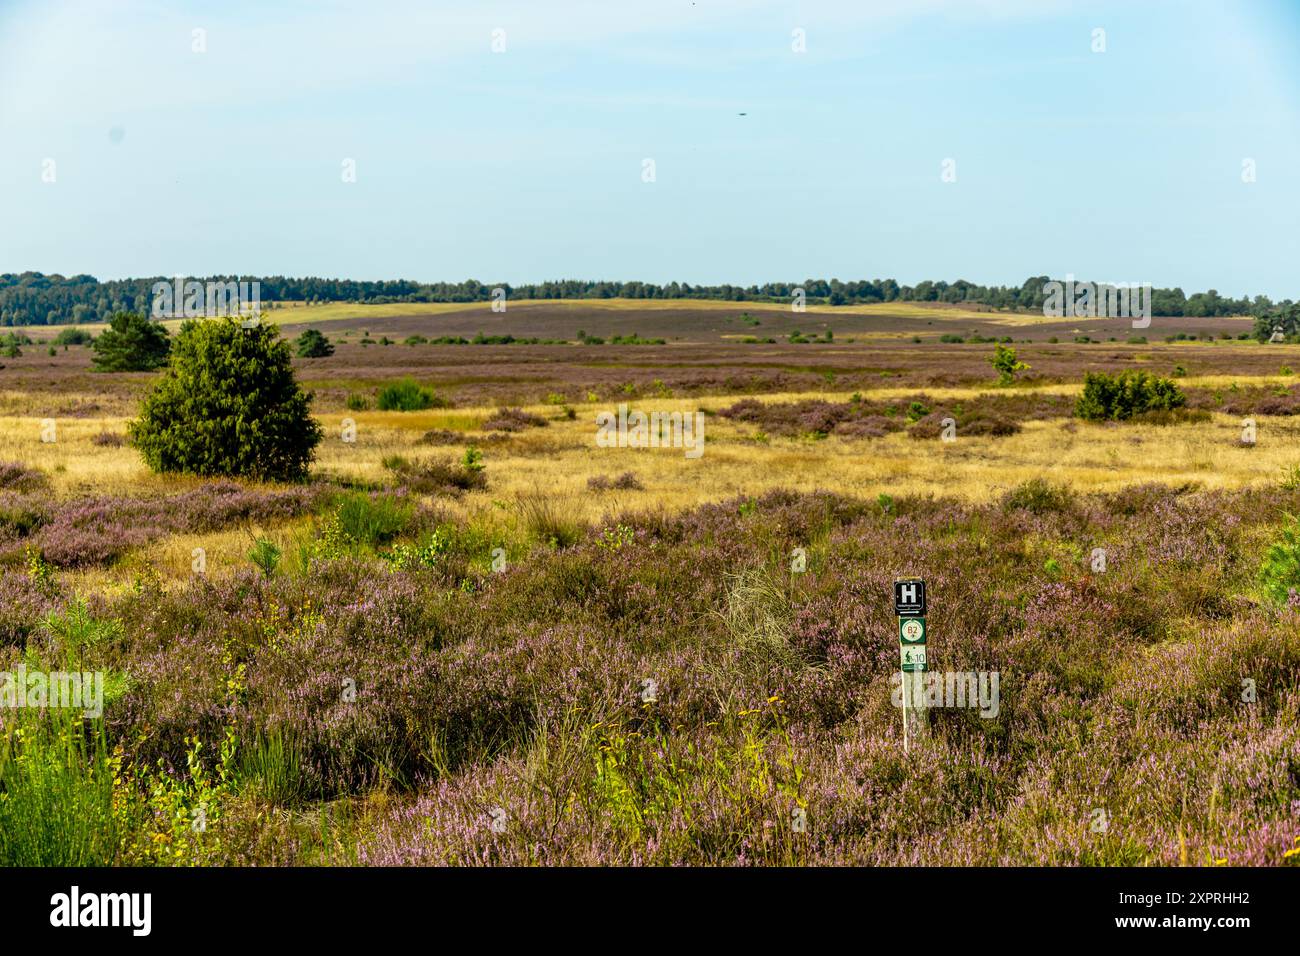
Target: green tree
point(1005, 364)
point(131, 343)
point(1288, 320)
point(313, 344)
point(228, 404)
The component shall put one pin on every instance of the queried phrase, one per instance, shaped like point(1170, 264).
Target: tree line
point(32, 298)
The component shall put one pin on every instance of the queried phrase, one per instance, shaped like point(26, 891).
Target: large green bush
point(1116, 397)
point(228, 404)
point(131, 343)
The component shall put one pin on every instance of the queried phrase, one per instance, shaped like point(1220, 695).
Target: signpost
point(909, 606)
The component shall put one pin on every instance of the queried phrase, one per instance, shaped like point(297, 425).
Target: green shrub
point(407, 557)
point(265, 555)
point(407, 395)
point(313, 344)
point(228, 404)
point(1279, 573)
point(1004, 362)
point(131, 343)
point(357, 402)
point(473, 461)
point(1109, 397)
point(73, 337)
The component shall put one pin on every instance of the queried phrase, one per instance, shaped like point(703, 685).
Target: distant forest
point(35, 299)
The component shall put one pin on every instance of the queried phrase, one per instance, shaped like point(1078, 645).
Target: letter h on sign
point(909, 597)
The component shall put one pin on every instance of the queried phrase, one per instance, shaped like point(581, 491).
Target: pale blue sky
point(526, 165)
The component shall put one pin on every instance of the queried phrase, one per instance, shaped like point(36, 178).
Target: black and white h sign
point(909, 597)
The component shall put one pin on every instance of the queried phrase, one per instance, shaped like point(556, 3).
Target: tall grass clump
point(56, 792)
point(407, 395)
point(550, 520)
point(372, 520)
point(271, 769)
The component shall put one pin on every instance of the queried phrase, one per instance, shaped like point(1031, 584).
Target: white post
point(910, 606)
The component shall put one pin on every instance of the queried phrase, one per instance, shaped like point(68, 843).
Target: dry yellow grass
point(561, 457)
point(736, 461)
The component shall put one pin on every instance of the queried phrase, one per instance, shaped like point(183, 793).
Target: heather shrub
point(95, 531)
point(513, 420)
point(1175, 416)
point(1108, 397)
point(228, 404)
point(406, 395)
point(528, 689)
point(18, 477)
point(627, 481)
point(984, 424)
point(24, 603)
point(434, 477)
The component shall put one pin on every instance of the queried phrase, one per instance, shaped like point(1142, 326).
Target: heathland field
point(481, 634)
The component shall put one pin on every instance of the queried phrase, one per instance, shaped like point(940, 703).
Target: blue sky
point(527, 164)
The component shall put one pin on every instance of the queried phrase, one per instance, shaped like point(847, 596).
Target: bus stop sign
point(909, 597)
